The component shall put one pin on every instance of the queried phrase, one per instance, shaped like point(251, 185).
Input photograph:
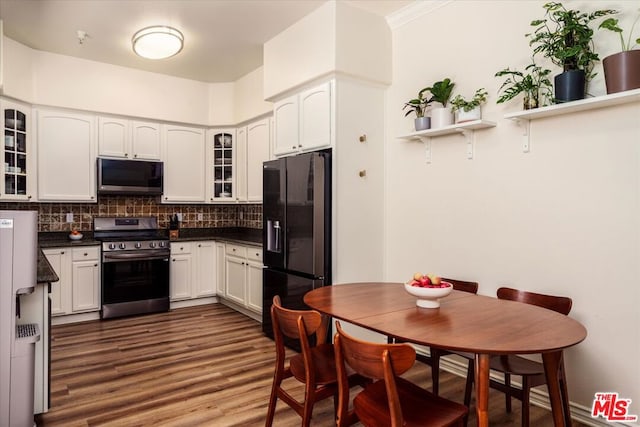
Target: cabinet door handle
point(95, 265)
point(85, 254)
point(62, 253)
point(135, 156)
point(126, 154)
point(199, 245)
point(174, 260)
point(293, 147)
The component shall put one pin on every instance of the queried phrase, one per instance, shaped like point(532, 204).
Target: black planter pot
point(569, 86)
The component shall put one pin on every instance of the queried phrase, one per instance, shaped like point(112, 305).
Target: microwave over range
point(134, 177)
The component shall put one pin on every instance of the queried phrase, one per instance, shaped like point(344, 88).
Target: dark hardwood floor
point(198, 366)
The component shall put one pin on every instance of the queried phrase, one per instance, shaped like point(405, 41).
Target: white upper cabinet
point(145, 140)
point(221, 165)
point(18, 176)
point(128, 139)
point(285, 132)
point(258, 144)
point(113, 137)
point(240, 165)
point(303, 122)
point(184, 164)
point(315, 117)
point(66, 156)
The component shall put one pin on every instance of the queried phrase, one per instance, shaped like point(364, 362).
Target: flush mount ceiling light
point(157, 42)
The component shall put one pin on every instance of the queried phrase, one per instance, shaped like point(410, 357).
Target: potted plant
point(534, 84)
point(622, 69)
point(565, 37)
point(441, 92)
point(418, 106)
point(466, 111)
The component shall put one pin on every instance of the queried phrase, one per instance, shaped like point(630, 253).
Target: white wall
point(300, 53)
point(17, 63)
point(248, 96)
point(56, 80)
point(335, 38)
point(563, 219)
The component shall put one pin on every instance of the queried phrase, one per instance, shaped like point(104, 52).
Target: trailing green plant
point(459, 103)
point(534, 83)
point(441, 91)
point(417, 105)
point(611, 24)
point(565, 37)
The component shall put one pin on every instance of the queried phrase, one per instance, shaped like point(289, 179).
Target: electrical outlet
point(200, 216)
point(241, 215)
point(69, 217)
point(179, 215)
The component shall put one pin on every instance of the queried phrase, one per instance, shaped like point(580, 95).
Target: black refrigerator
point(296, 223)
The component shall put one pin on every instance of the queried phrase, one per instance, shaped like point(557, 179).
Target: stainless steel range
point(135, 266)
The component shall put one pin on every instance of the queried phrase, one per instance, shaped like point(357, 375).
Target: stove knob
point(152, 244)
point(122, 246)
point(163, 244)
point(112, 245)
point(138, 245)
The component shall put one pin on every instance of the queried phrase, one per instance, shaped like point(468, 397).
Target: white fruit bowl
point(75, 236)
point(428, 297)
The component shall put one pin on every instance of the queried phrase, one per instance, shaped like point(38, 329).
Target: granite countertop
point(241, 235)
point(245, 236)
point(46, 274)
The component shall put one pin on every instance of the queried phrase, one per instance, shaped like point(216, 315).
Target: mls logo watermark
point(612, 407)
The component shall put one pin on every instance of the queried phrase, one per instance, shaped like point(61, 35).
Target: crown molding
point(413, 11)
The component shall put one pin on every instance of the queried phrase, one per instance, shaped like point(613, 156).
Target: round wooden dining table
point(465, 322)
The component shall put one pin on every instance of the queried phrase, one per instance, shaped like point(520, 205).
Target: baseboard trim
point(538, 397)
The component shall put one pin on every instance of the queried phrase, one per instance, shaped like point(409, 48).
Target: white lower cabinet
point(243, 276)
point(181, 275)
point(205, 263)
point(85, 279)
point(254, 279)
point(193, 270)
point(220, 270)
point(78, 290)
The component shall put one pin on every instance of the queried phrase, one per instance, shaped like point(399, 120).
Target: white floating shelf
point(467, 129)
point(523, 118)
point(619, 98)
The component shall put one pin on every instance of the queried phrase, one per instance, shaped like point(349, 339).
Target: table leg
point(482, 389)
point(556, 384)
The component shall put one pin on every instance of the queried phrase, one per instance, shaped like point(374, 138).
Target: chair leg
point(435, 370)
point(526, 391)
point(507, 396)
point(273, 400)
point(469, 385)
point(309, 401)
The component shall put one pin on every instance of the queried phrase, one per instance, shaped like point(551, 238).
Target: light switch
point(69, 217)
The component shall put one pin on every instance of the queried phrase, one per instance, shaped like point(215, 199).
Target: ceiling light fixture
point(157, 42)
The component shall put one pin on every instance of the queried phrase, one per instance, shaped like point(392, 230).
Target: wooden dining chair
point(389, 400)
point(531, 372)
point(433, 359)
point(315, 366)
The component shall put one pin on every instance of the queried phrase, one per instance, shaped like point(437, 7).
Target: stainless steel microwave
point(133, 177)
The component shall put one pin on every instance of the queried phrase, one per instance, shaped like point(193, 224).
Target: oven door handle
point(147, 256)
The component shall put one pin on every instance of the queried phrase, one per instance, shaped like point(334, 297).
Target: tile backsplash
point(52, 216)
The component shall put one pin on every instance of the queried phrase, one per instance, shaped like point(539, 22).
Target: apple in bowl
point(428, 289)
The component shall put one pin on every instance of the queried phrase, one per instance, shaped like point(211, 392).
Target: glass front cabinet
point(221, 165)
point(17, 172)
